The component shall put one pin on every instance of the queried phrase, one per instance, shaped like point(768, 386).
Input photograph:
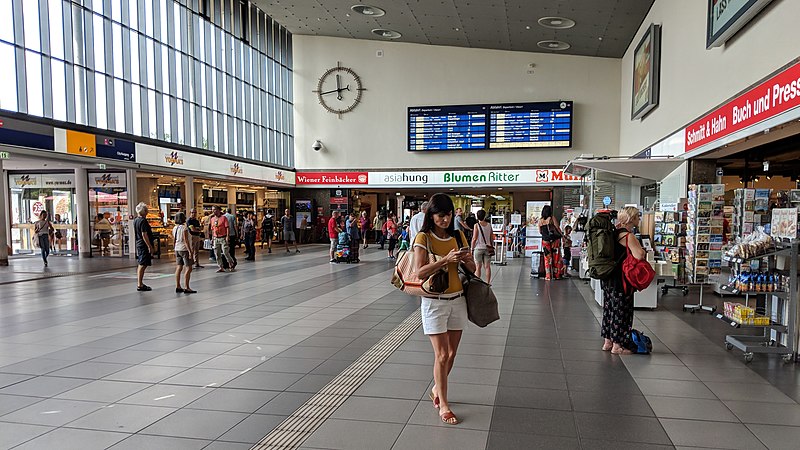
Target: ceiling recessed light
point(559, 23)
point(527, 27)
point(388, 34)
point(553, 45)
point(372, 11)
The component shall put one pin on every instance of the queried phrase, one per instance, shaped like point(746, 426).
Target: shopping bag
point(208, 244)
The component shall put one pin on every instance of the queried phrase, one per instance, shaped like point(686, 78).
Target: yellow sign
point(83, 144)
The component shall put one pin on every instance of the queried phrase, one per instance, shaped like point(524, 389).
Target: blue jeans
point(44, 244)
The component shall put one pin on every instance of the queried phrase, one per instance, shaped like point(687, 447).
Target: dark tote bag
point(481, 301)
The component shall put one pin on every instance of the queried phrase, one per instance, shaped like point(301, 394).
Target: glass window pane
point(116, 10)
point(80, 94)
point(179, 117)
point(8, 77)
point(97, 6)
point(99, 43)
point(56, 29)
point(7, 23)
point(151, 64)
point(148, 11)
point(177, 29)
point(165, 85)
point(77, 35)
point(100, 100)
point(163, 19)
point(117, 54)
point(136, 110)
point(135, 66)
point(33, 67)
point(59, 90)
point(30, 19)
point(152, 120)
point(168, 136)
point(119, 105)
point(133, 13)
point(179, 75)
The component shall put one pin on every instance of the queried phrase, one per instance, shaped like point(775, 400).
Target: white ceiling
point(603, 27)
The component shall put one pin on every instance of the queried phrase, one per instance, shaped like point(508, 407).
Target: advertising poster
point(533, 239)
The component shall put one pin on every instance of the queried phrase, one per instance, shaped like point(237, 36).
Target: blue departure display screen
point(482, 127)
point(447, 128)
point(530, 125)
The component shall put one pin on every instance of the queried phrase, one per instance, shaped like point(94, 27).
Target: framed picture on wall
point(726, 18)
point(646, 70)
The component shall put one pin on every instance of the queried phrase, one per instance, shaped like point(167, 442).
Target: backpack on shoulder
point(600, 236)
point(642, 345)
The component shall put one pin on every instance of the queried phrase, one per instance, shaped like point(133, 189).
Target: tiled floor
point(86, 362)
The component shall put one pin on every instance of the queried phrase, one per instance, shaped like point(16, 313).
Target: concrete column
point(133, 200)
point(189, 183)
point(232, 199)
point(5, 223)
point(260, 194)
point(82, 213)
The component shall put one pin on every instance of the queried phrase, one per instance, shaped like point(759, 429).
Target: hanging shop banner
point(83, 144)
point(112, 148)
point(332, 178)
point(26, 134)
point(777, 95)
point(474, 178)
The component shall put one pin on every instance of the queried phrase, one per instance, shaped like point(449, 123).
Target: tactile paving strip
point(293, 431)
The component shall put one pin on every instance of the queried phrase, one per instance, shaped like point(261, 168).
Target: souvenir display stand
point(669, 242)
point(771, 276)
point(704, 237)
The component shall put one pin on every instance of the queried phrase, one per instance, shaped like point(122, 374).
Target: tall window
point(210, 74)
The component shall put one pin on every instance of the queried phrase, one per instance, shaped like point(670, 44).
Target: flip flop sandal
point(447, 416)
point(434, 399)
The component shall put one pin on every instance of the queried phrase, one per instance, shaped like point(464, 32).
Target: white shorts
point(439, 316)
point(481, 257)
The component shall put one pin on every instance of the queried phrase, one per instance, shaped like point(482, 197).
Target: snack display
point(744, 315)
point(764, 281)
point(751, 246)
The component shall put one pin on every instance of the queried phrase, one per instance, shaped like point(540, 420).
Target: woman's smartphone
point(464, 249)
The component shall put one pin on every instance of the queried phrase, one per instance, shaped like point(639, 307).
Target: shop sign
point(278, 176)
point(5, 155)
point(522, 177)
point(107, 180)
point(116, 149)
point(25, 181)
point(26, 134)
point(332, 178)
point(83, 144)
point(42, 181)
point(777, 95)
point(53, 181)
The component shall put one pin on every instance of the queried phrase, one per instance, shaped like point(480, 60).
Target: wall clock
point(339, 90)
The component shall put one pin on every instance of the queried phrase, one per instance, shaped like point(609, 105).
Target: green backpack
point(600, 236)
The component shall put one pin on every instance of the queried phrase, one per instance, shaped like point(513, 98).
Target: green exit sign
point(5, 155)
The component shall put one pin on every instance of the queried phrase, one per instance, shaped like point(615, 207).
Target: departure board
point(447, 128)
point(530, 125)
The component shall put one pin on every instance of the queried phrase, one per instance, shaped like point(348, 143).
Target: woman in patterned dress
point(617, 300)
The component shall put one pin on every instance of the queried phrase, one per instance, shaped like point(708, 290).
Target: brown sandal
point(434, 399)
point(449, 418)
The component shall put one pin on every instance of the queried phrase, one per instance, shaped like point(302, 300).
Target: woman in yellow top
point(443, 317)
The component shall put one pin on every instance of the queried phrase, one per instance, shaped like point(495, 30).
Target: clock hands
point(338, 91)
point(338, 88)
